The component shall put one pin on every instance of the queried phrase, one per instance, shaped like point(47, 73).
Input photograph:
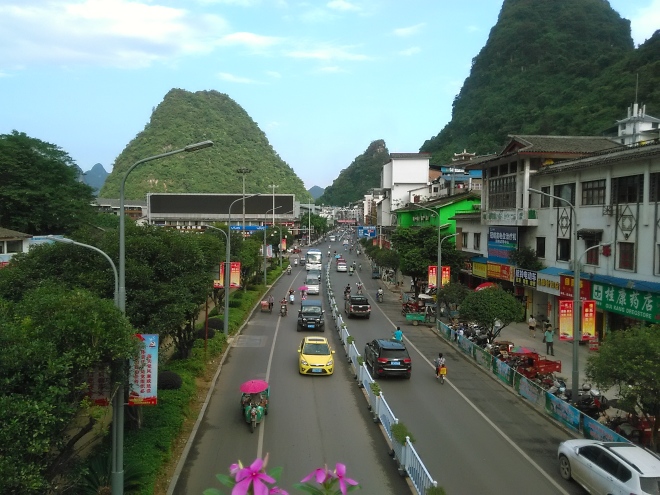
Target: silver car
point(615, 468)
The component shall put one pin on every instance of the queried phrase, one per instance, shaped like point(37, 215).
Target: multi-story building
point(610, 206)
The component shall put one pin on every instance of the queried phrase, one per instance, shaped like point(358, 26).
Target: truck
point(357, 305)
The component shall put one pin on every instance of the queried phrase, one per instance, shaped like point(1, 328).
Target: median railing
point(408, 461)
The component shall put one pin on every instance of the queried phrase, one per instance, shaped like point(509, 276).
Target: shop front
point(546, 295)
point(625, 306)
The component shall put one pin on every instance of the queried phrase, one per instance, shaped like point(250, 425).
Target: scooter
point(283, 310)
point(379, 296)
point(288, 270)
point(292, 298)
point(442, 372)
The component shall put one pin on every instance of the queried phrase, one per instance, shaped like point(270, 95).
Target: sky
point(322, 79)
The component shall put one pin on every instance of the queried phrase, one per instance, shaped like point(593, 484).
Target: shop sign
point(143, 374)
point(565, 320)
point(566, 287)
point(432, 276)
point(632, 303)
point(502, 242)
point(589, 320)
point(503, 272)
point(479, 270)
point(547, 283)
point(444, 277)
point(525, 278)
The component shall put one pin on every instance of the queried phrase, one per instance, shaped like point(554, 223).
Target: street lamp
point(225, 323)
point(576, 293)
point(118, 470)
point(273, 210)
point(243, 171)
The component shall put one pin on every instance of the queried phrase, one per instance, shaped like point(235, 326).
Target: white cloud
point(327, 53)
point(273, 74)
point(472, 28)
point(410, 30)
point(342, 5)
point(410, 51)
point(331, 69)
point(317, 16)
point(255, 41)
point(645, 22)
point(111, 33)
point(225, 76)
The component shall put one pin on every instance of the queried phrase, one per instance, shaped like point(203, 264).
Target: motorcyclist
point(288, 270)
point(438, 362)
point(271, 302)
point(360, 267)
point(347, 291)
point(283, 308)
point(379, 294)
point(359, 287)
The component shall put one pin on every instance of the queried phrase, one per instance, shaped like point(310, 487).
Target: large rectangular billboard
point(502, 241)
point(215, 207)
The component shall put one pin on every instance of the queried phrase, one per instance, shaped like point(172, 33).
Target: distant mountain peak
point(316, 191)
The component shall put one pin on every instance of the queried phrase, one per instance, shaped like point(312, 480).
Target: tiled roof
point(409, 155)
point(561, 144)
point(6, 233)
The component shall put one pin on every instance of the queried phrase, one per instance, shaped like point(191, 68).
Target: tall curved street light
point(265, 214)
point(575, 378)
point(117, 479)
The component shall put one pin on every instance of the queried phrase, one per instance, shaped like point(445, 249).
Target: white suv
point(610, 467)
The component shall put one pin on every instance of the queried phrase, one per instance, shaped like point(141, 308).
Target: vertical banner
point(433, 276)
point(283, 245)
point(589, 320)
point(235, 275)
point(565, 320)
point(143, 373)
point(220, 283)
point(444, 279)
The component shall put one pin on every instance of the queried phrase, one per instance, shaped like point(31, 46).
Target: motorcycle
point(295, 262)
point(350, 271)
point(379, 296)
point(288, 270)
point(442, 372)
point(254, 401)
point(292, 298)
point(283, 310)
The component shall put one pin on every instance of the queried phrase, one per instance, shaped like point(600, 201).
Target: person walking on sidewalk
point(548, 338)
point(531, 323)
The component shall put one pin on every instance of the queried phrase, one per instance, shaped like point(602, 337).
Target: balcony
point(516, 217)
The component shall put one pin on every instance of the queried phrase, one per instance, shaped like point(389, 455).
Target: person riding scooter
point(347, 291)
point(288, 270)
point(379, 295)
point(295, 261)
point(283, 308)
point(292, 296)
point(359, 287)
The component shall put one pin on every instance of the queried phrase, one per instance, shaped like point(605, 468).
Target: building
point(614, 196)
point(11, 243)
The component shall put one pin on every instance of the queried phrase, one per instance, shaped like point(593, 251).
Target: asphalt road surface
point(312, 420)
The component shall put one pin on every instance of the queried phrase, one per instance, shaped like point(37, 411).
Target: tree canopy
point(40, 191)
point(629, 361)
point(492, 309)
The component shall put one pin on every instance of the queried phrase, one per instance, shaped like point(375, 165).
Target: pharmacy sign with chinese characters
point(632, 303)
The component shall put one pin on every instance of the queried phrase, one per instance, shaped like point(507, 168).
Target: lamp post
point(117, 479)
point(309, 225)
point(273, 210)
point(243, 171)
point(576, 293)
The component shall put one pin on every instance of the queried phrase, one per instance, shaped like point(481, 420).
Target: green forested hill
point(561, 67)
point(361, 175)
point(184, 118)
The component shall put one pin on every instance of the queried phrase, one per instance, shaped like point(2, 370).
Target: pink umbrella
point(303, 287)
point(254, 386)
point(485, 285)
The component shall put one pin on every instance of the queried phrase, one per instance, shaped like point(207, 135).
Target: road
point(312, 421)
point(473, 435)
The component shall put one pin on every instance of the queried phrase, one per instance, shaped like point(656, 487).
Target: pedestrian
point(531, 323)
point(548, 338)
point(398, 334)
point(271, 302)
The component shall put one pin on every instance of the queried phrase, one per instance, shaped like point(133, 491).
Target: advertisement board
point(503, 272)
point(445, 276)
point(234, 276)
point(566, 287)
point(502, 242)
point(526, 278)
point(143, 373)
point(479, 270)
point(632, 303)
point(432, 276)
point(366, 231)
point(589, 320)
point(565, 320)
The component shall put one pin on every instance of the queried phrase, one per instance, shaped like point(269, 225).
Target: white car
point(615, 468)
point(341, 267)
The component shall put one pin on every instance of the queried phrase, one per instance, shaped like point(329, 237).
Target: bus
point(314, 260)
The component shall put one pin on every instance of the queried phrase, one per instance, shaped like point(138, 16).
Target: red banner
point(234, 276)
point(446, 272)
point(433, 276)
point(566, 287)
point(565, 320)
point(589, 320)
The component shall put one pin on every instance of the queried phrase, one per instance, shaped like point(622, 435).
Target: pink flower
point(252, 476)
point(235, 468)
point(340, 474)
point(277, 491)
point(321, 475)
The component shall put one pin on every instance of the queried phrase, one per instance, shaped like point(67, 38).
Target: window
point(592, 254)
point(540, 247)
point(593, 192)
point(655, 187)
point(563, 249)
point(627, 189)
point(476, 241)
point(502, 193)
point(545, 200)
point(564, 191)
point(14, 246)
point(626, 256)
point(465, 239)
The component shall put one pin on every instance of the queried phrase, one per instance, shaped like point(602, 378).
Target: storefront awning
point(479, 259)
point(589, 233)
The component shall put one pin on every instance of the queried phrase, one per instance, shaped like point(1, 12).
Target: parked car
point(388, 357)
point(609, 467)
point(315, 357)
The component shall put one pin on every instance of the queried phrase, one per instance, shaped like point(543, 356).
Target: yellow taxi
point(315, 357)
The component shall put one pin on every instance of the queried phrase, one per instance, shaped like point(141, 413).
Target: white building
point(403, 173)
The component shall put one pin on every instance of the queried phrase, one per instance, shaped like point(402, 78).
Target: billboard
point(502, 241)
point(367, 231)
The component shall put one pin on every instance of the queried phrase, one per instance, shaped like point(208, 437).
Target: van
point(311, 315)
point(313, 285)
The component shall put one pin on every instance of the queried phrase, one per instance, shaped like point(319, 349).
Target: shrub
point(169, 380)
point(203, 334)
point(400, 432)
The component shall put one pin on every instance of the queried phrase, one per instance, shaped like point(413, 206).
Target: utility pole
point(243, 171)
point(275, 186)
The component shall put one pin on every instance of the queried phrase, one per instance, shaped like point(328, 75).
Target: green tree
point(40, 191)
point(525, 257)
point(318, 223)
point(492, 309)
point(417, 248)
point(50, 340)
point(629, 360)
point(453, 294)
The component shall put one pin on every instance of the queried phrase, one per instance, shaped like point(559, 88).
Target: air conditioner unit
point(608, 210)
